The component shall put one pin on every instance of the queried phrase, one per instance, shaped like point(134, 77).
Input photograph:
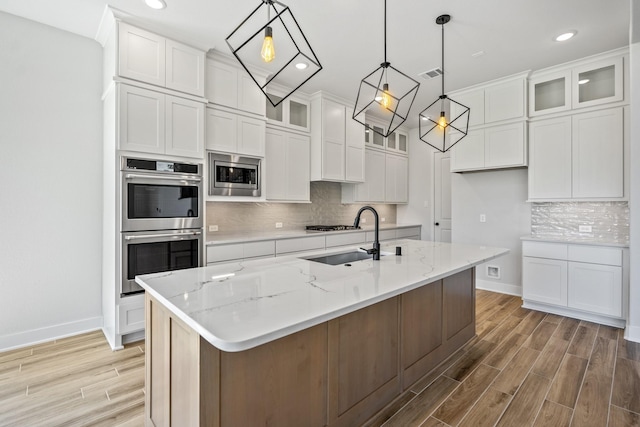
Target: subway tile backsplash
point(609, 220)
point(325, 208)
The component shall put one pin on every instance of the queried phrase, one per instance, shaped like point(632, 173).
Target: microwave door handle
point(172, 178)
point(153, 236)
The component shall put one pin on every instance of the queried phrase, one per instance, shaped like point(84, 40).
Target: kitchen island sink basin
point(343, 258)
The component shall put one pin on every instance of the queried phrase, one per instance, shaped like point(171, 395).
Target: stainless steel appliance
point(232, 175)
point(145, 252)
point(159, 195)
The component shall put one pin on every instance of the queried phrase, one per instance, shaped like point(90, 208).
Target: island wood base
point(338, 373)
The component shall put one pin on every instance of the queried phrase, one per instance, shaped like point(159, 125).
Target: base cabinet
point(338, 373)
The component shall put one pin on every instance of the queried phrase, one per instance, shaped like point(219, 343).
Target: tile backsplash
point(325, 208)
point(609, 220)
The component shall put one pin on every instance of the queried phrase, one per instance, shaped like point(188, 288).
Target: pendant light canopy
point(386, 94)
point(445, 122)
point(271, 40)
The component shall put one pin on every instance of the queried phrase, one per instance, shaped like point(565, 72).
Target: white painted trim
point(632, 333)
point(576, 314)
point(503, 288)
point(50, 333)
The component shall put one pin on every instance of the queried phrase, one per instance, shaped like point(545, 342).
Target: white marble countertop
point(240, 305)
point(219, 238)
point(576, 241)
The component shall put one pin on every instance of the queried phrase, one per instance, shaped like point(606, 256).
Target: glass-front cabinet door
point(550, 93)
point(372, 138)
point(597, 83)
point(291, 113)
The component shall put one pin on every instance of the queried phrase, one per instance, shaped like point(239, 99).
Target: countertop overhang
point(240, 305)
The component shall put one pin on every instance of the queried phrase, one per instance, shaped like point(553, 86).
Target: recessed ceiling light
point(583, 81)
point(565, 36)
point(156, 4)
point(301, 65)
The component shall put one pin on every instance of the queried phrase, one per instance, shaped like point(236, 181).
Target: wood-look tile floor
point(525, 368)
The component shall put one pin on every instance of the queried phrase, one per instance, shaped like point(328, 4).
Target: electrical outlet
point(213, 228)
point(584, 229)
point(383, 219)
point(483, 218)
point(278, 225)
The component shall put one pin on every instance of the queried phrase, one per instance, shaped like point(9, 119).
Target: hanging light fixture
point(254, 44)
point(386, 94)
point(445, 122)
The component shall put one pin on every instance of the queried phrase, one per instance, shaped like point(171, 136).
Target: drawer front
point(298, 245)
point(384, 235)
point(402, 233)
point(224, 252)
point(595, 254)
point(345, 239)
point(131, 315)
point(544, 250)
point(259, 249)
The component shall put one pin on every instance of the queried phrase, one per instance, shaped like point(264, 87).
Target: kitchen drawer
point(131, 315)
point(544, 250)
point(595, 254)
point(345, 239)
point(299, 244)
point(225, 252)
point(384, 235)
point(259, 249)
point(403, 233)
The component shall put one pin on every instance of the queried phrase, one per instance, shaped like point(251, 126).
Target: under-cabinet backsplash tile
point(325, 208)
point(609, 220)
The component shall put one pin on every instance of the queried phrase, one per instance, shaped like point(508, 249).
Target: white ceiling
point(347, 35)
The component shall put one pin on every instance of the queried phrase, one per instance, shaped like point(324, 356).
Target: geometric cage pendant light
point(445, 121)
point(386, 94)
point(277, 46)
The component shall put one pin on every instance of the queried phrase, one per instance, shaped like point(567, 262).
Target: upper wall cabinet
point(235, 133)
point(292, 113)
point(153, 59)
point(287, 166)
point(577, 85)
point(231, 86)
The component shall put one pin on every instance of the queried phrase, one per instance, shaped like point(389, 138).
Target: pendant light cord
point(385, 31)
point(442, 25)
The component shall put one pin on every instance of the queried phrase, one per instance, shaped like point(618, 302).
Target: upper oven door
point(160, 202)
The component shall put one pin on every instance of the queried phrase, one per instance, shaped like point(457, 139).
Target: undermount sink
point(342, 258)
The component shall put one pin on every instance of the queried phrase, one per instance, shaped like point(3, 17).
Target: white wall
point(51, 173)
point(632, 331)
point(500, 195)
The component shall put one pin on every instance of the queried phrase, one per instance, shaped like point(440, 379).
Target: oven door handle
point(154, 236)
point(171, 178)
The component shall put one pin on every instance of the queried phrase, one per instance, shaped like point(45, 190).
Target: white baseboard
point(50, 333)
point(503, 288)
point(576, 314)
point(632, 333)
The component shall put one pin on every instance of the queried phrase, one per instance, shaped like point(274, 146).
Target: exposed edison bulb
point(385, 99)
point(268, 51)
point(442, 121)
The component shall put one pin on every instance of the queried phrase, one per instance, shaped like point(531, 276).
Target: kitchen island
point(288, 342)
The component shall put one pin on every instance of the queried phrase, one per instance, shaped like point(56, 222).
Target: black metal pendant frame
point(375, 84)
point(435, 135)
point(284, 17)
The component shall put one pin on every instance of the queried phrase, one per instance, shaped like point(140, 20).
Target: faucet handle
point(370, 251)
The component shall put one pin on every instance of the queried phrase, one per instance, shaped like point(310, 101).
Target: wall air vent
point(430, 74)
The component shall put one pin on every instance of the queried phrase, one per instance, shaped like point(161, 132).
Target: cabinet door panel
point(250, 97)
point(598, 150)
point(142, 120)
point(595, 288)
point(276, 165)
point(222, 83)
point(469, 152)
point(475, 101)
point(550, 159)
point(333, 140)
point(603, 83)
point(222, 131)
point(298, 168)
point(354, 155)
point(544, 280)
point(505, 146)
point(396, 179)
point(373, 189)
point(185, 68)
point(550, 93)
point(141, 55)
point(251, 136)
point(504, 101)
point(185, 127)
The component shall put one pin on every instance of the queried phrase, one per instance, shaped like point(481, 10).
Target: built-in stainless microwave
point(232, 175)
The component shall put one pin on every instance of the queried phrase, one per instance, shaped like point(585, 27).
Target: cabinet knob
point(437, 223)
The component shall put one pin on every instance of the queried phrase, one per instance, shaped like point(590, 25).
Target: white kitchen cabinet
point(354, 150)
point(232, 87)
point(597, 83)
point(474, 100)
point(152, 122)
point(505, 100)
point(130, 314)
point(344, 239)
point(299, 244)
point(234, 133)
point(287, 166)
point(293, 113)
point(577, 157)
point(151, 58)
point(372, 190)
point(398, 141)
point(468, 153)
point(239, 251)
point(372, 138)
point(583, 281)
point(396, 176)
point(550, 93)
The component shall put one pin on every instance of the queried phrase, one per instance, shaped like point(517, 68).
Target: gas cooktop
point(331, 227)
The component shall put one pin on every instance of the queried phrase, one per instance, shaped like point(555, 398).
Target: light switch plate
point(584, 229)
point(213, 228)
point(278, 225)
point(483, 218)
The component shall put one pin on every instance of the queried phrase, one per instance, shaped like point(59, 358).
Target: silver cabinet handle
point(172, 178)
point(153, 236)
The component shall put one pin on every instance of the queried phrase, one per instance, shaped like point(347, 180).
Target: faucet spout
point(376, 242)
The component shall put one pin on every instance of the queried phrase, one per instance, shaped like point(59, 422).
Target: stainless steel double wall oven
point(161, 218)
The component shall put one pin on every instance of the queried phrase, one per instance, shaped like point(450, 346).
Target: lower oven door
point(158, 251)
